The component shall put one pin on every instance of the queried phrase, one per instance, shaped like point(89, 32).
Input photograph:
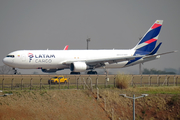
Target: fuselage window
point(12, 56)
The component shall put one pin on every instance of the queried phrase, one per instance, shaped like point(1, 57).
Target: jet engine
point(78, 66)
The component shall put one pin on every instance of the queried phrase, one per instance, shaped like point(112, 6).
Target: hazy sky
point(52, 24)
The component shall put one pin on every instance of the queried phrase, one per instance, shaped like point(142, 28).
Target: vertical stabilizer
point(148, 41)
point(66, 47)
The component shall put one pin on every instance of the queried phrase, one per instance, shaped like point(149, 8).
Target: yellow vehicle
point(56, 79)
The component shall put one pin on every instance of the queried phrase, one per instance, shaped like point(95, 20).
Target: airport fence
point(40, 82)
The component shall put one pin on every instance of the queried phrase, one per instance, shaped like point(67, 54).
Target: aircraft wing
point(101, 61)
point(98, 62)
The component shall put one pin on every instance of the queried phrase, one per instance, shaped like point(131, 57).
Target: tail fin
point(66, 47)
point(148, 41)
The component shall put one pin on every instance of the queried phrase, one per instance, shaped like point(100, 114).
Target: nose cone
point(7, 61)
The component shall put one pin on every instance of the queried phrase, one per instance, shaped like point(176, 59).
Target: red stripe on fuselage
point(150, 41)
point(155, 26)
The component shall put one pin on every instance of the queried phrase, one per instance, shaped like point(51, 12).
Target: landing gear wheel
point(15, 71)
point(75, 73)
point(92, 72)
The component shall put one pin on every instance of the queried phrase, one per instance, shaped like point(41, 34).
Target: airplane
point(83, 60)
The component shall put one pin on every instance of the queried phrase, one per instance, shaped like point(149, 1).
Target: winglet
point(66, 47)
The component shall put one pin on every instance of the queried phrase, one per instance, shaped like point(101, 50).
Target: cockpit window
point(12, 56)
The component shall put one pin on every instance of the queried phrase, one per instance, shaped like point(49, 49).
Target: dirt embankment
point(83, 105)
point(152, 107)
point(47, 105)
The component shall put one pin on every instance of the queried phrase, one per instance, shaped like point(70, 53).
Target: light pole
point(143, 95)
point(88, 40)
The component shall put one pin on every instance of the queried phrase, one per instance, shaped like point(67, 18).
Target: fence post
point(114, 81)
point(59, 83)
point(3, 84)
point(68, 82)
point(91, 85)
point(84, 84)
point(40, 83)
point(150, 79)
point(12, 84)
point(49, 83)
point(168, 81)
point(141, 80)
point(132, 81)
point(105, 104)
point(21, 83)
point(106, 82)
point(112, 112)
point(97, 81)
point(97, 93)
point(157, 80)
point(30, 83)
point(77, 82)
point(176, 81)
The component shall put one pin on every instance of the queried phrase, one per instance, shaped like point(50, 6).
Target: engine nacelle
point(78, 66)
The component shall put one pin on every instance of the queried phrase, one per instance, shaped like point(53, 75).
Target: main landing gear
point(77, 73)
point(92, 72)
point(89, 72)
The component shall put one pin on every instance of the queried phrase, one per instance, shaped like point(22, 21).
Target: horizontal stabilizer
point(160, 54)
point(168, 52)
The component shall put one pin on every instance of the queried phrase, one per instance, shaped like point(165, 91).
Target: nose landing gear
point(15, 71)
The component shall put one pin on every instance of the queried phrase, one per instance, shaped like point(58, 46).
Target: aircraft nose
point(4, 60)
point(7, 61)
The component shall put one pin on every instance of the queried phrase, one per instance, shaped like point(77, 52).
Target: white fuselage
point(53, 59)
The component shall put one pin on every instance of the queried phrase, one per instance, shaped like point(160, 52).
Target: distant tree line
point(154, 71)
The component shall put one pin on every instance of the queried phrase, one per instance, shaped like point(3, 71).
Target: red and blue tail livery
point(148, 42)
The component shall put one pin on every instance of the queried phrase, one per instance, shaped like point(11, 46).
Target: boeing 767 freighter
point(81, 60)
